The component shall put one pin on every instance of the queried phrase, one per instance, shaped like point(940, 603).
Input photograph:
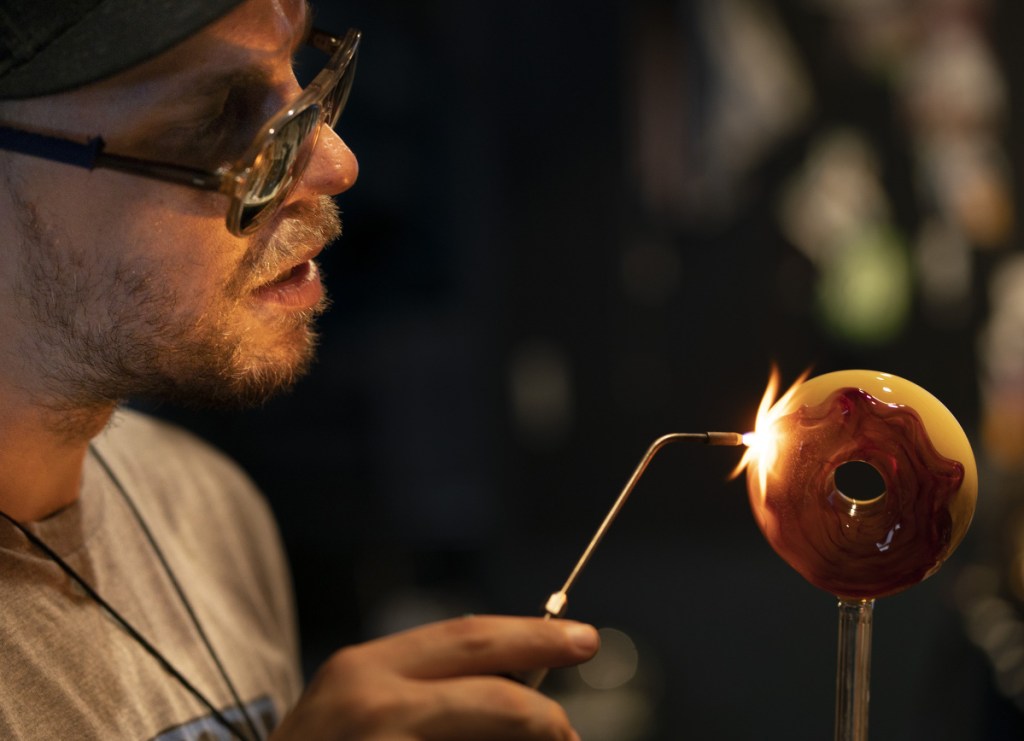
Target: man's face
point(115, 285)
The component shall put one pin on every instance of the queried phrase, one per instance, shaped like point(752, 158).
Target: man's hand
point(441, 683)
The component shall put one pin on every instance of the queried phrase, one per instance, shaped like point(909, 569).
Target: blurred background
point(581, 225)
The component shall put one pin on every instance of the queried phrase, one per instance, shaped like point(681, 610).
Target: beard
point(110, 328)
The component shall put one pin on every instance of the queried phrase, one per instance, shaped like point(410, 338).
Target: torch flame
point(762, 443)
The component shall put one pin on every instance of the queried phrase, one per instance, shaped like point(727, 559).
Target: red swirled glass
point(852, 547)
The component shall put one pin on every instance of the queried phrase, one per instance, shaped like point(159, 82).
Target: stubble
point(108, 329)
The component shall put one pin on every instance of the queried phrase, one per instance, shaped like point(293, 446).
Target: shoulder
point(175, 471)
point(161, 446)
point(209, 518)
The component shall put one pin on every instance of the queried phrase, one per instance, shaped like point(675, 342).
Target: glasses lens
point(286, 150)
point(336, 98)
point(274, 170)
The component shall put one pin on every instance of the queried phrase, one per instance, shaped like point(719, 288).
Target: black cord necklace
point(152, 650)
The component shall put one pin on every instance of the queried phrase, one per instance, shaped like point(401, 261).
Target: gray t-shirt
point(69, 671)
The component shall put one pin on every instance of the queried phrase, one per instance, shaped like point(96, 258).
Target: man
point(167, 186)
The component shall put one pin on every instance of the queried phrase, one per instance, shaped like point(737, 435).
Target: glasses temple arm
point(90, 156)
point(51, 147)
point(161, 171)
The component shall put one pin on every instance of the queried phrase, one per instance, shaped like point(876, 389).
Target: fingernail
point(584, 637)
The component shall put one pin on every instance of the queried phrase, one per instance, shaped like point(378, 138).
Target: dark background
point(490, 375)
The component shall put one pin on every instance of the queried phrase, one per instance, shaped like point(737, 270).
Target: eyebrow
point(203, 87)
point(251, 78)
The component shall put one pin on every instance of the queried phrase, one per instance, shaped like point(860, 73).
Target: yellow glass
point(851, 546)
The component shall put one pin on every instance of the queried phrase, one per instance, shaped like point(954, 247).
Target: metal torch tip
point(725, 438)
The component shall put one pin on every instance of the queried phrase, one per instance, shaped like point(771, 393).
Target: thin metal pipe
point(556, 604)
point(706, 438)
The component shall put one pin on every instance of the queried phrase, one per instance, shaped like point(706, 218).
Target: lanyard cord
point(152, 650)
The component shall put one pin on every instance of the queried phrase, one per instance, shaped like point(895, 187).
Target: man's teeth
point(285, 276)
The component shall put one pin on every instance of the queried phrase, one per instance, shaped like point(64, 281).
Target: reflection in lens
point(336, 99)
point(274, 170)
point(287, 151)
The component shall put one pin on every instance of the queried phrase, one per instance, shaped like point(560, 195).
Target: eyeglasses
point(260, 181)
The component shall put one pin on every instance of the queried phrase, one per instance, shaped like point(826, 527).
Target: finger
point(474, 708)
point(485, 645)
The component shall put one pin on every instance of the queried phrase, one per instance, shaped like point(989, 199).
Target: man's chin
point(247, 380)
point(238, 394)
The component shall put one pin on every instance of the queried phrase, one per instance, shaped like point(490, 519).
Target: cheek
point(170, 233)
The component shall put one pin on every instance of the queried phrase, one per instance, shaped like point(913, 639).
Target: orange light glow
point(762, 444)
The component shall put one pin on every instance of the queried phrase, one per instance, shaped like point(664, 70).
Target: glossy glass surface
point(848, 546)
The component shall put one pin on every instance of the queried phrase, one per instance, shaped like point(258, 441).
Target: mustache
point(300, 228)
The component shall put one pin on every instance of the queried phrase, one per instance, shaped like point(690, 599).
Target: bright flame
point(763, 444)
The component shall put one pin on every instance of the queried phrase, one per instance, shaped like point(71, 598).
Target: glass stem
point(853, 670)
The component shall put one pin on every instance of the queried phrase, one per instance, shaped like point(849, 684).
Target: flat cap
point(51, 46)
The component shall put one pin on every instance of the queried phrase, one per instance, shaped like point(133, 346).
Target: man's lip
point(282, 275)
point(299, 287)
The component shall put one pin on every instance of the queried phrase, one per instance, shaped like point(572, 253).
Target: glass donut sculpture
point(860, 547)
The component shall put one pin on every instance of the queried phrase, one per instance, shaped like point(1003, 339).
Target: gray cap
point(50, 46)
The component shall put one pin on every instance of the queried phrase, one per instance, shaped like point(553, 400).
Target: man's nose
point(332, 167)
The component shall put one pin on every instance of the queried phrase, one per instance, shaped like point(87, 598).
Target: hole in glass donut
point(854, 546)
point(859, 483)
